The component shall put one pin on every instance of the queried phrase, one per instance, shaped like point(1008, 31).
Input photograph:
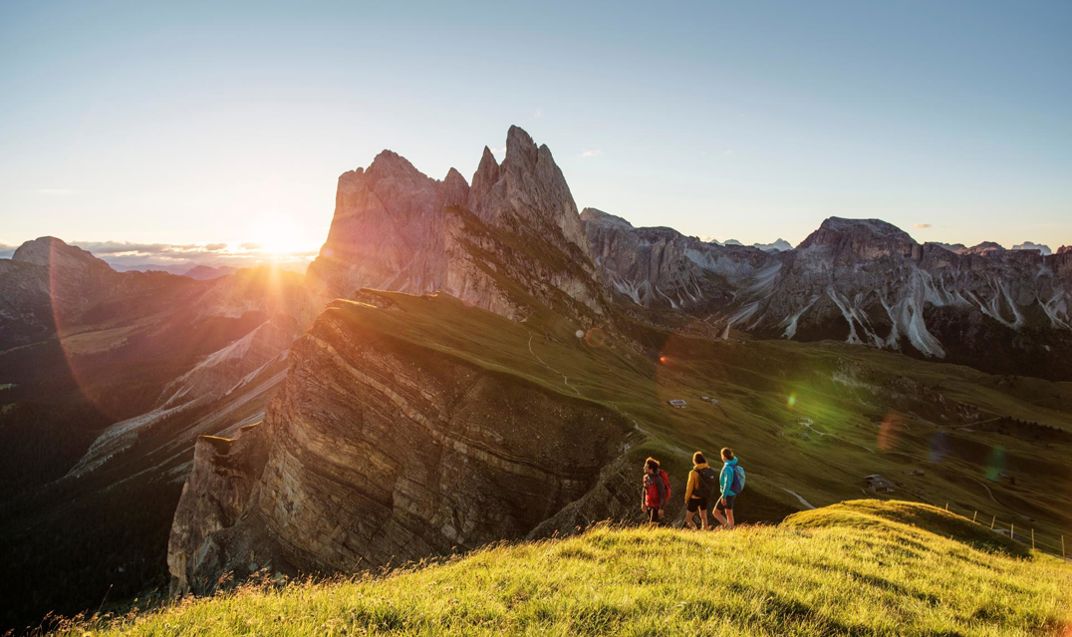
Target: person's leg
point(688, 520)
point(729, 518)
point(717, 513)
point(703, 519)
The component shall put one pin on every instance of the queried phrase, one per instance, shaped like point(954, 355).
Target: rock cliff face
point(511, 242)
point(662, 268)
point(858, 280)
point(379, 450)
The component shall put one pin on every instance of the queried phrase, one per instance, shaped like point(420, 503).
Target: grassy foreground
point(858, 568)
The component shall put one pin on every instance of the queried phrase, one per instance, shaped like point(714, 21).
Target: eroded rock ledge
point(379, 451)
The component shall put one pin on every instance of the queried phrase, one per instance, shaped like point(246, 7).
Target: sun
point(274, 237)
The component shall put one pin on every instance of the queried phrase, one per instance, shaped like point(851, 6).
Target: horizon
point(213, 126)
point(178, 258)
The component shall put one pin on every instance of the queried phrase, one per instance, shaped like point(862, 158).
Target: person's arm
point(644, 493)
point(693, 478)
point(724, 481)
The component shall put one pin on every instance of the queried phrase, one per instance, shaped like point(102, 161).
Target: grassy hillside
point(808, 419)
point(857, 568)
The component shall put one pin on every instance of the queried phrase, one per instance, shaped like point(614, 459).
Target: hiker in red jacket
point(656, 490)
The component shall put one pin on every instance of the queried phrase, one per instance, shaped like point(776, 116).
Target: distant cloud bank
point(180, 257)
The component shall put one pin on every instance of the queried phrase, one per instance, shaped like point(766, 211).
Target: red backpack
point(666, 481)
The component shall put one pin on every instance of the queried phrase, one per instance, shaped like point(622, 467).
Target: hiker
point(656, 490)
point(698, 490)
point(731, 483)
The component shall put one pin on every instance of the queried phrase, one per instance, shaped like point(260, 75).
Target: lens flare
point(889, 431)
point(939, 448)
point(791, 401)
point(995, 465)
point(595, 337)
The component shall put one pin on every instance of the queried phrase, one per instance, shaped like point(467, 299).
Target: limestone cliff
point(511, 242)
point(380, 450)
point(863, 281)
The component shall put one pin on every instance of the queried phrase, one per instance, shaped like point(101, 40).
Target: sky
point(200, 123)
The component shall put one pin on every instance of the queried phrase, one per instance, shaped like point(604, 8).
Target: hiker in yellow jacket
point(698, 490)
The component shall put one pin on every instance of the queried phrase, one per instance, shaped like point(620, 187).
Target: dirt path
point(565, 379)
point(807, 505)
point(988, 491)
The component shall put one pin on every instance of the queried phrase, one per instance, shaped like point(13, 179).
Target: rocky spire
point(454, 190)
point(530, 188)
point(486, 175)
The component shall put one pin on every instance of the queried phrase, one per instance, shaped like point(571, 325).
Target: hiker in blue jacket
point(730, 482)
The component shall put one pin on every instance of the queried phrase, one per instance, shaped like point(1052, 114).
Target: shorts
point(696, 503)
point(725, 503)
point(653, 515)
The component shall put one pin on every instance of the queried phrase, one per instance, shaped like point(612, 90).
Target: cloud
point(1031, 245)
point(591, 152)
point(921, 226)
point(56, 192)
point(126, 248)
point(179, 257)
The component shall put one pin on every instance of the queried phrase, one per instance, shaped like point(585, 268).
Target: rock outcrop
point(510, 242)
point(381, 450)
point(661, 268)
point(862, 281)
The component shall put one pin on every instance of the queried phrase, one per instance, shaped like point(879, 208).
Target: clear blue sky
point(192, 122)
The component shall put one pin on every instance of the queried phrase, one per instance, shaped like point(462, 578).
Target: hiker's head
point(698, 458)
point(727, 453)
point(651, 465)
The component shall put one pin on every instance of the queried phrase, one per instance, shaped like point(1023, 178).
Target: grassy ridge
point(811, 418)
point(850, 569)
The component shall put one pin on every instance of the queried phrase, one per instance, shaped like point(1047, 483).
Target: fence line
point(1036, 544)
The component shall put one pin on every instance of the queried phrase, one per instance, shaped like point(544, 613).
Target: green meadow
point(863, 567)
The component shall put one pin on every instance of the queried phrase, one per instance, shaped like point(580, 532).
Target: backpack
point(738, 479)
point(666, 481)
point(708, 483)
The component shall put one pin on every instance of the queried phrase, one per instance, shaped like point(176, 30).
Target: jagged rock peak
point(528, 188)
point(595, 215)
point(519, 144)
point(487, 173)
point(390, 163)
point(455, 189)
point(1064, 250)
point(986, 247)
point(50, 251)
point(955, 248)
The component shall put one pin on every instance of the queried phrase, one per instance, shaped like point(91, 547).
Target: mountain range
point(469, 361)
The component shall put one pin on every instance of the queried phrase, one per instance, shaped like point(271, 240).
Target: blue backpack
point(738, 479)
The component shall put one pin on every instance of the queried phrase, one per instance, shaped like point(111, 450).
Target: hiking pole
point(1062, 546)
point(992, 520)
point(975, 514)
point(1032, 539)
point(946, 506)
point(1012, 532)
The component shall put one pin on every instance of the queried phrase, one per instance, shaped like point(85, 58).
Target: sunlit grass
point(850, 569)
